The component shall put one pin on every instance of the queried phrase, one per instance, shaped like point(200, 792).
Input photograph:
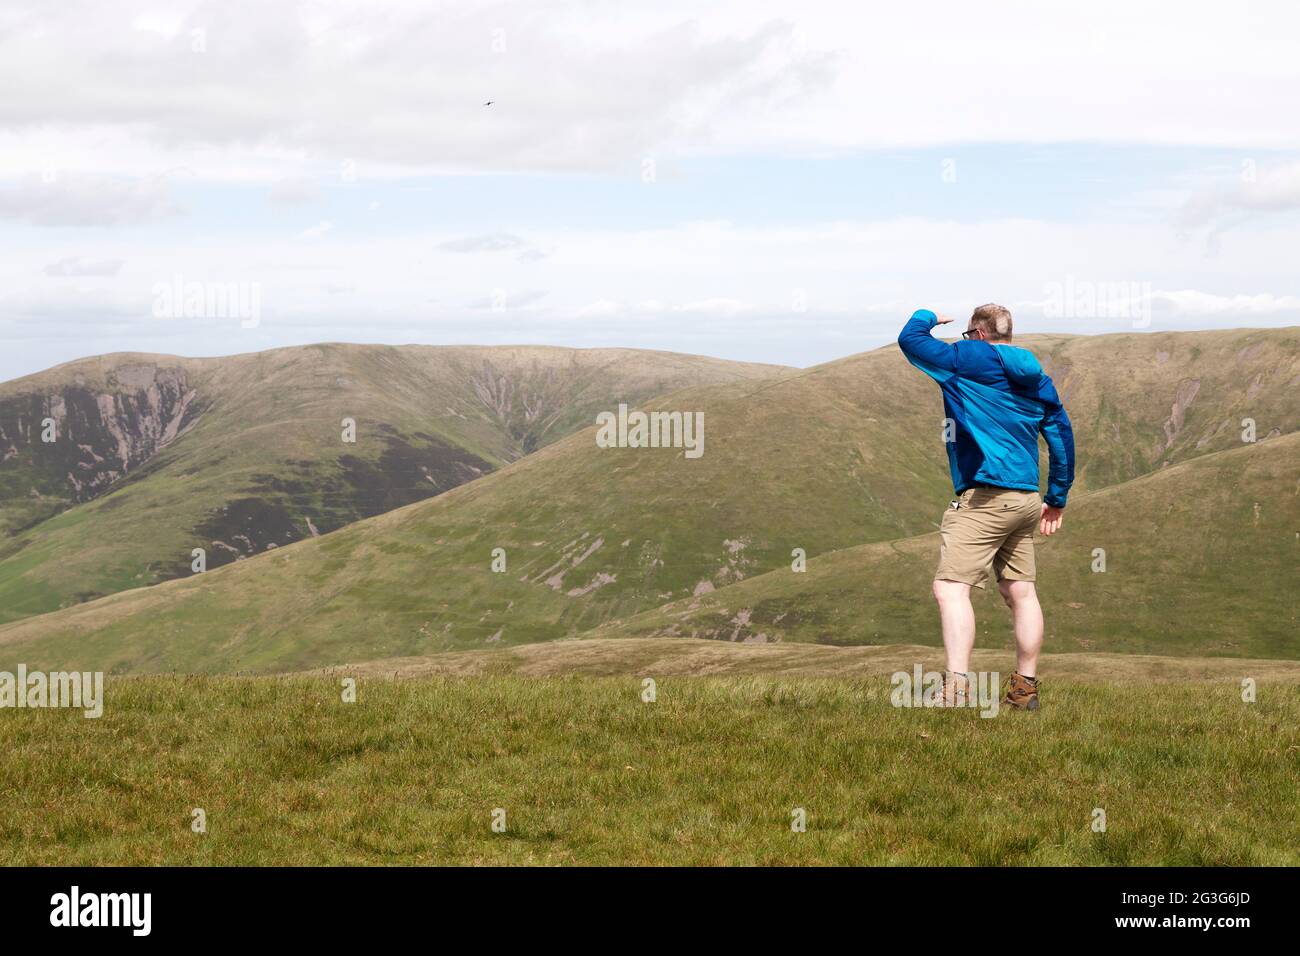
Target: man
point(997, 401)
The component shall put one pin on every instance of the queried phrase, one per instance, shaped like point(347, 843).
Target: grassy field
point(709, 773)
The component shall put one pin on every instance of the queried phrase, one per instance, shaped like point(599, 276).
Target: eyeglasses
point(970, 333)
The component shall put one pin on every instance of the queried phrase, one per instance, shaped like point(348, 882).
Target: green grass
point(587, 773)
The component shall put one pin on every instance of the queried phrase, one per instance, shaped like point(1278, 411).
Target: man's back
point(999, 400)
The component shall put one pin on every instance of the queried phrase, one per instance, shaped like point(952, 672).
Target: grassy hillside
point(1143, 401)
point(822, 460)
point(1200, 559)
point(156, 455)
point(588, 773)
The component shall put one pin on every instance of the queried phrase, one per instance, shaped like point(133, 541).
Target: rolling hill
point(156, 455)
point(842, 460)
point(1200, 559)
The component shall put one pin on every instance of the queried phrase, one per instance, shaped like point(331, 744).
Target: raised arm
point(933, 357)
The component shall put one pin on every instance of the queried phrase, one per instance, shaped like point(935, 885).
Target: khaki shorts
point(989, 528)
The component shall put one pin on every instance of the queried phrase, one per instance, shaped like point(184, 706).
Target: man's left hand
point(1051, 521)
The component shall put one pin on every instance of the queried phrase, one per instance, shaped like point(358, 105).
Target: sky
point(768, 181)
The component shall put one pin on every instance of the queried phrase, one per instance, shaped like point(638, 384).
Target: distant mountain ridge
point(155, 455)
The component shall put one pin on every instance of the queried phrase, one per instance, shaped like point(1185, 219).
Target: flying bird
point(489, 102)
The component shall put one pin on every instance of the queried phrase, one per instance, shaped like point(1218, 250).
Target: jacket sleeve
point(1056, 429)
point(933, 357)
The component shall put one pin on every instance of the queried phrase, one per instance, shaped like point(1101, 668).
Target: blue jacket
point(999, 400)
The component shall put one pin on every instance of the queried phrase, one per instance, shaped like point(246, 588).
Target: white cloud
point(317, 231)
point(58, 198)
point(502, 300)
point(1251, 191)
point(494, 242)
point(295, 191)
point(600, 309)
point(716, 306)
point(77, 267)
point(1193, 303)
point(400, 87)
point(277, 88)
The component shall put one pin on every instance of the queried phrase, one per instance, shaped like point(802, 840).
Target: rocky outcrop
point(1184, 397)
point(75, 442)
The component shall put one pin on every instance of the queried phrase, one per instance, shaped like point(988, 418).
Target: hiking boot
point(956, 687)
point(1022, 693)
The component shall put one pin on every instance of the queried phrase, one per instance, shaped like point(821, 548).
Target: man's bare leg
point(1022, 598)
point(958, 619)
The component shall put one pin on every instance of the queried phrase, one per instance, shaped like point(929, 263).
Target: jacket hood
point(1021, 366)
